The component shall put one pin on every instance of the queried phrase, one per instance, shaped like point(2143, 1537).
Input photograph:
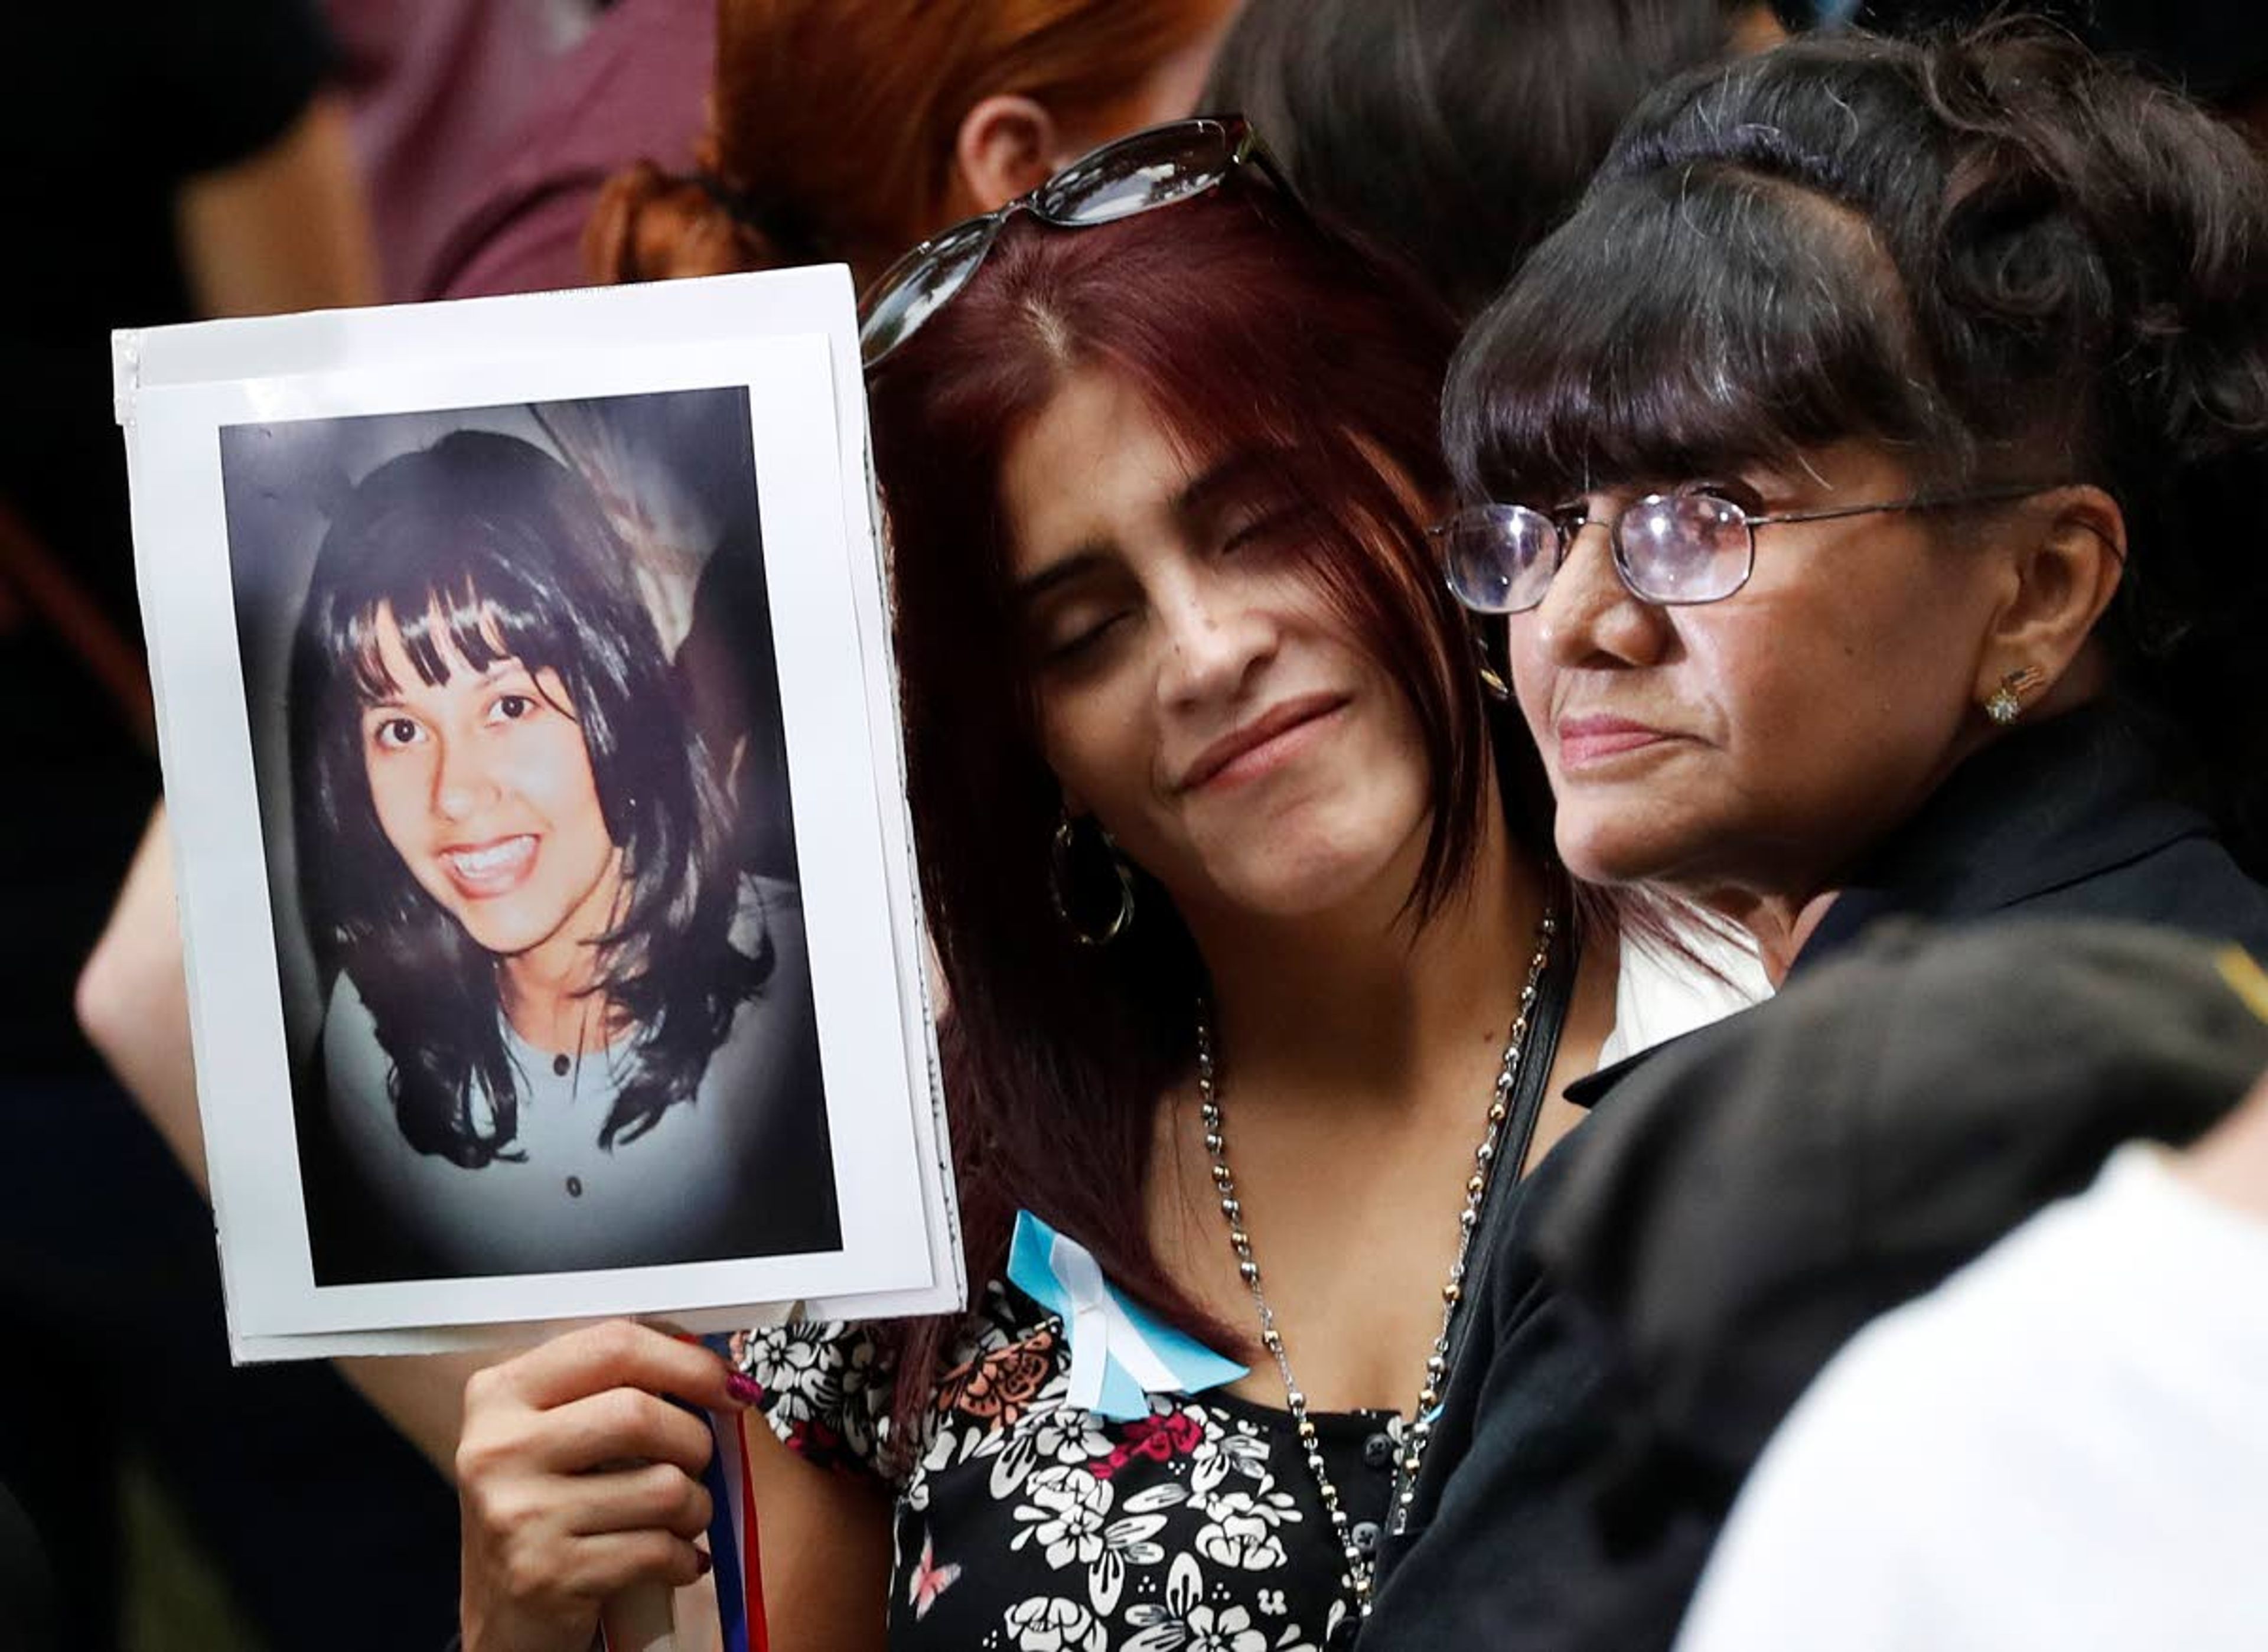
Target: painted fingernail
point(743, 1387)
point(702, 1563)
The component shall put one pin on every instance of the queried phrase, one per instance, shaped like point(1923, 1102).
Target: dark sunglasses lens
point(1150, 169)
point(1500, 557)
point(902, 299)
point(1683, 548)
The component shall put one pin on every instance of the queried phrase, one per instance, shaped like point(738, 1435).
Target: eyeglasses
point(1669, 547)
point(1150, 169)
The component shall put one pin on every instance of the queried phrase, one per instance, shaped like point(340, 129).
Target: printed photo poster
point(529, 737)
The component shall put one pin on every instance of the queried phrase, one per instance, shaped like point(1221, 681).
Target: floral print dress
point(1029, 1524)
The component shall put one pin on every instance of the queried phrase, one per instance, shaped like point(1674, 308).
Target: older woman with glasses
point(1885, 537)
point(1876, 462)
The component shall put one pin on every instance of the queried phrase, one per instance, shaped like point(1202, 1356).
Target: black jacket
point(1654, 1298)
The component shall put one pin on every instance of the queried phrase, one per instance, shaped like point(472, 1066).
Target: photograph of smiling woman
point(470, 591)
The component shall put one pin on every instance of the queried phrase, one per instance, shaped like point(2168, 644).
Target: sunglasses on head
point(1153, 168)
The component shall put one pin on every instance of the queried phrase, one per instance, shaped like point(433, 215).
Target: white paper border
point(786, 336)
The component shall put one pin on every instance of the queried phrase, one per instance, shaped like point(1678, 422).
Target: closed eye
point(1073, 644)
point(1262, 529)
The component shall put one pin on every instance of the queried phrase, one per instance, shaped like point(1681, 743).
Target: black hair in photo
point(487, 546)
point(1996, 253)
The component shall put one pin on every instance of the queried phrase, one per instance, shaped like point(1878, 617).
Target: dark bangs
point(446, 614)
point(1685, 323)
point(492, 575)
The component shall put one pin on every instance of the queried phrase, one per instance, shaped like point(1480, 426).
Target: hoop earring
point(2004, 705)
point(1059, 872)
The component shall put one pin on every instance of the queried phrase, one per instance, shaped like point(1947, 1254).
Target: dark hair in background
point(1249, 331)
point(729, 668)
point(1996, 253)
point(2216, 50)
point(1453, 135)
point(484, 544)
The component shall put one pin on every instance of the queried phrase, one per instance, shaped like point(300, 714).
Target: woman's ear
point(2065, 574)
point(1006, 146)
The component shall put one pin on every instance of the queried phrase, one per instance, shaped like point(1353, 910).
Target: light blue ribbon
point(1120, 1353)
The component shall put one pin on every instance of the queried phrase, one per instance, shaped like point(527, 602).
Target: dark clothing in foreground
point(2065, 820)
point(1656, 1296)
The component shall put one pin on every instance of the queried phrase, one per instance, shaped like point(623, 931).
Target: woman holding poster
point(1237, 874)
point(565, 1028)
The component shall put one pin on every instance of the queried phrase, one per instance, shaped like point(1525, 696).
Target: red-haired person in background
point(852, 128)
point(1239, 879)
point(833, 129)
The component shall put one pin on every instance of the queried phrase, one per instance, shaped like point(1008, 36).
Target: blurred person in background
point(2062, 1446)
point(160, 164)
point(1454, 134)
point(850, 129)
point(478, 204)
point(436, 94)
point(2215, 51)
point(635, 84)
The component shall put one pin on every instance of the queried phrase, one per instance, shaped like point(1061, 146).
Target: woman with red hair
point(1238, 879)
point(848, 129)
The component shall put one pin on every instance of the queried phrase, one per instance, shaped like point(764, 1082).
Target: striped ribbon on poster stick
point(644, 1620)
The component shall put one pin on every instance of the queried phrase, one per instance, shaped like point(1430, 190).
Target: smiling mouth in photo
point(495, 867)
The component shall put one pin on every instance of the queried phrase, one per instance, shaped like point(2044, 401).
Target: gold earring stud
point(2005, 704)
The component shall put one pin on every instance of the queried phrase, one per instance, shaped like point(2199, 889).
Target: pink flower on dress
point(1161, 1438)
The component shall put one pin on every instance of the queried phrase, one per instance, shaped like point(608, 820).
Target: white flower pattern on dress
point(824, 1378)
point(1065, 1512)
point(1183, 1622)
point(1046, 1624)
point(1241, 1532)
point(1062, 1433)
